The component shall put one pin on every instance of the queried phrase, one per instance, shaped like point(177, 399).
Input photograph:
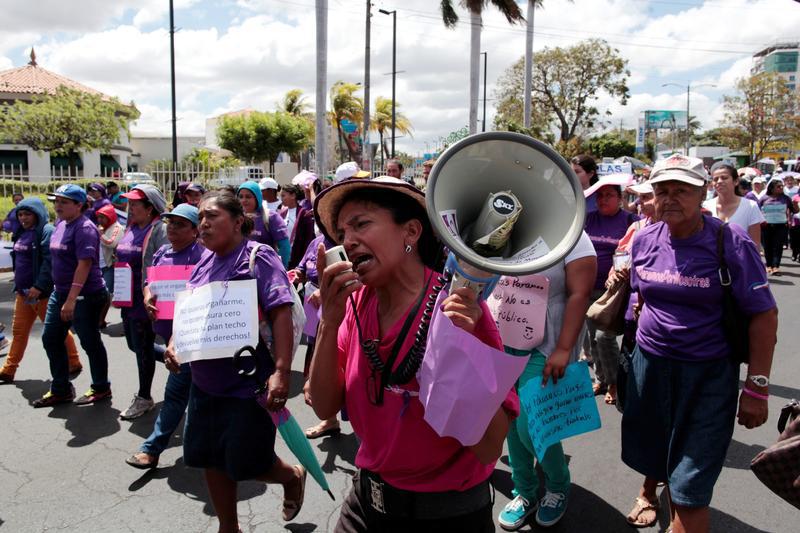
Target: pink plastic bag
point(462, 381)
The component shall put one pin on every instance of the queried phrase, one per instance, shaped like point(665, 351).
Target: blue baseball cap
point(189, 212)
point(73, 192)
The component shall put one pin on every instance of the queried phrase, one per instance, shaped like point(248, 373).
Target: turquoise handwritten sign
point(556, 412)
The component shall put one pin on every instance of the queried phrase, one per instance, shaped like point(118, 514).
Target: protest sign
point(604, 169)
point(164, 283)
point(519, 308)
point(123, 285)
point(558, 411)
point(215, 320)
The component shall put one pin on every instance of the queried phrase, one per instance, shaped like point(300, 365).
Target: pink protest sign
point(164, 282)
point(519, 308)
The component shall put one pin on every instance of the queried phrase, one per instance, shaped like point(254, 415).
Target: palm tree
point(345, 105)
point(294, 102)
point(382, 121)
point(509, 8)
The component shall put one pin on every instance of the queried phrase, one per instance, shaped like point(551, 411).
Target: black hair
point(227, 188)
point(17, 194)
point(731, 170)
point(771, 186)
point(111, 184)
point(296, 190)
point(588, 164)
point(402, 208)
point(230, 203)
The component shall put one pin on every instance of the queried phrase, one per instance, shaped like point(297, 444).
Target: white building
point(25, 83)
point(781, 58)
point(147, 148)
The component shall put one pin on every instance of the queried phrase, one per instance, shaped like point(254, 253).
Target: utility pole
point(529, 64)
point(172, 78)
point(394, 71)
point(365, 149)
point(485, 63)
point(322, 86)
point(474, 69)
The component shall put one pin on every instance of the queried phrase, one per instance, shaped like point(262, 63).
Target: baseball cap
point(678, 167)
point(135, 194)
point(642, 188)
point(267, 183)
point(759, 179)
point(71, 191)
point(196, 187)
point(187, 211)
point(349, 170)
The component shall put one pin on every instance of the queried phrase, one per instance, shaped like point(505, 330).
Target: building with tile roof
point(27, 82)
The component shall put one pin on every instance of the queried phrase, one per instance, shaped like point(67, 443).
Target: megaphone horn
point(504, 204)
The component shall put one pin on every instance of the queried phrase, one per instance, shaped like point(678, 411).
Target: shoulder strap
point(146, 240)
point(253, 254)
point(724, 273)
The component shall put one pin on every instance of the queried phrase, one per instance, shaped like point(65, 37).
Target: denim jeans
point(86, 322)
point(140, 338)
point(176, 397)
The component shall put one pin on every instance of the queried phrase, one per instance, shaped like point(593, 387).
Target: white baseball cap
point(678, 167)
point(349, 170)
point(268, 183)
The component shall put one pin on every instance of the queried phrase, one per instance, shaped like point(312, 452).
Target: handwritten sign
point(519, 308)
point(123, 285)
point(536, 250)
point(164, 283)
point(556, 412)
point(215, 320)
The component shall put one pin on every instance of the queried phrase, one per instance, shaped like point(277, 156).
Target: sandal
point(316, 432)
point(641, 507)
point(609, 399)
point(599, 388)
point(142, 460)
point(292, 507)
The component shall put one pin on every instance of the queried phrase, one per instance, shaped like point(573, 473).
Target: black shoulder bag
point(735, 324)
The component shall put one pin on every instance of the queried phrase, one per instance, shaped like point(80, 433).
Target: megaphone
point(520, 191)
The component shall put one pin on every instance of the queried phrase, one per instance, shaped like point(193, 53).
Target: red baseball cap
point(135, 194)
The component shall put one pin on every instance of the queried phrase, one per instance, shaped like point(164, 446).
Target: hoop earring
point(408, 248)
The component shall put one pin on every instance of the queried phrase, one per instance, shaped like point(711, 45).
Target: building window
point(791, 77)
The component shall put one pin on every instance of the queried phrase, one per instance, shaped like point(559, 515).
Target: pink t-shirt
point(396, 442)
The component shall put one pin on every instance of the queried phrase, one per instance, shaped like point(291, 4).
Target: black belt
point(382, 498)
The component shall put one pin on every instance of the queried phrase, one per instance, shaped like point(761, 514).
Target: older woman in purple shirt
point(681, 394)
point(227, 433)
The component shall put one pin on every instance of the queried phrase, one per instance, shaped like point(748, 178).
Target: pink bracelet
point(747, 391)
point(79, 285)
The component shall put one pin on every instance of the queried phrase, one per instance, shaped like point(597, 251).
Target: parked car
point(238, 175)
point(130, 178)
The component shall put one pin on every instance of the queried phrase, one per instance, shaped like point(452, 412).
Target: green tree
point(763, 116)
point(712, 137)
point(566, 83)
point(509, 116)
point(611, 144)
point(294, 102)
point(66, 122)
point(345, 105)
point(263, 136)
point(381, 121)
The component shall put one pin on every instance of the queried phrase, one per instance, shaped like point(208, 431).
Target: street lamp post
point(689, 87)
point(485, 61)
point(394, 70)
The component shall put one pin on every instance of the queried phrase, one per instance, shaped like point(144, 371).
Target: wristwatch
point(759, 380)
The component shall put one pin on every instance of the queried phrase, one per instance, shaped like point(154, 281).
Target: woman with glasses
point(367, 356)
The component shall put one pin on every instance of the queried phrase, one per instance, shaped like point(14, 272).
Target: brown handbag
point(608, 311)
point(778, 467)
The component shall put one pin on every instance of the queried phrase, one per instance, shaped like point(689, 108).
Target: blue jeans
point(108, 277)
point(86, 322)
point(176, 397)
point(140, 338)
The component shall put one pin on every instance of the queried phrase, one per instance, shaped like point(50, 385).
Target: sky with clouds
point(235, 54)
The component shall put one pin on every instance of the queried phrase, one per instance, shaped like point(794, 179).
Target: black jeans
point(86, 320)
point(140, 338)
point(794, 241)
point(774, 239)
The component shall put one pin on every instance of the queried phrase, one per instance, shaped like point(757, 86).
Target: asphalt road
point(63, 469)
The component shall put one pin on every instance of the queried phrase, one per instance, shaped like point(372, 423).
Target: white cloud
point(270, 48)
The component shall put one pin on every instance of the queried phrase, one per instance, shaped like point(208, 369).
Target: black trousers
point(774, 239)
point(794, 241)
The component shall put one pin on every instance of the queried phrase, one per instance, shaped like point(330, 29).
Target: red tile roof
point(33, 79)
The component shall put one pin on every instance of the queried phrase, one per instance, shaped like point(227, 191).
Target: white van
point(238, 175)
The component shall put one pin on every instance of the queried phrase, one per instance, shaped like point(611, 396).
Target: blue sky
point(234, 54)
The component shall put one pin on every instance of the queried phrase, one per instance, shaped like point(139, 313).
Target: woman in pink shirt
point(367, 355)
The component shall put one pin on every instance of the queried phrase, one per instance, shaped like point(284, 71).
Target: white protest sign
point(215, 320)
point(536, 250)
point(614, 168)
point(123, 285)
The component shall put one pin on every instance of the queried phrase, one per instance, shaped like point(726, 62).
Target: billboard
point(657, 119)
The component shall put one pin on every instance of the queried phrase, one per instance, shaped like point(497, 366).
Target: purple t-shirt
point(277, 230)
point(70, 243)
point(23, 260)
point(308, 264)
point(218, 376)
point(774, 208)
point(166, 256)
point(678, 280)
point(605, 233)
point(130, 250)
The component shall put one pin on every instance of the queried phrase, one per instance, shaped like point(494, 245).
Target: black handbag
point(735, 324)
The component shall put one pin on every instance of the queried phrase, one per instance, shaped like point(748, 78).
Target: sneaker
point(4, 344)
point(139, 406)
point(50, 399)
point(93, 396)
point(551, 508)
point(515, 514)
